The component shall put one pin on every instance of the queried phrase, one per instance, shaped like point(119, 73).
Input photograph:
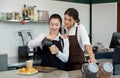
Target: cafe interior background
point(104, 21)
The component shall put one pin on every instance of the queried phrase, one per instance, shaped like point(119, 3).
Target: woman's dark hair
point(73, 13)
point(57, 16)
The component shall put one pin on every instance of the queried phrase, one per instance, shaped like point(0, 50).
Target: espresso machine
point(24, 53)
point(37, 50)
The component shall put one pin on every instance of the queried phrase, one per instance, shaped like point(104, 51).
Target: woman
point(78, 40)
point(61, 51)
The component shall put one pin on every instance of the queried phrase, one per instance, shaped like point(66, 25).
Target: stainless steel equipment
point(89, 70)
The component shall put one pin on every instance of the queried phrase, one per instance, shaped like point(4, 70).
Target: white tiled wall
point(9, 39)
point(104, 22)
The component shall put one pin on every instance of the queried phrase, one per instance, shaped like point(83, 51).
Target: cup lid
point(108, 67)
point(93, 67)
point(29, 61)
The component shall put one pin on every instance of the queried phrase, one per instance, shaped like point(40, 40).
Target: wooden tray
point(45, 69)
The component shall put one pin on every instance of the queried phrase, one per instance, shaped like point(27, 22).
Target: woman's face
point(68, 21)
point(54, 25)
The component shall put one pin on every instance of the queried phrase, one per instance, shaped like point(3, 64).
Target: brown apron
point(76, 55)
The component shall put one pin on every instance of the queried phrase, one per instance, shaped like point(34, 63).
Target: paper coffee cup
point(29, 64)
point(52, 49)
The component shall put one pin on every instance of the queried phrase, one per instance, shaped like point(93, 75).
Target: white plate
point(27, 73)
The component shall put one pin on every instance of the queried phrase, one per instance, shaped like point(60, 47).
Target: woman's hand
point(54, 49)
point(65, 36)
point(91, 54)
point(93, 60)
point(48, 37)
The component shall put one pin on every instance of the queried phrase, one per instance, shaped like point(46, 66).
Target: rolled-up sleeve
point(36, 41)
point(83, 37)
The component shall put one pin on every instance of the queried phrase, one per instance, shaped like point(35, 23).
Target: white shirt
point(63, 56)
point(82, 35)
